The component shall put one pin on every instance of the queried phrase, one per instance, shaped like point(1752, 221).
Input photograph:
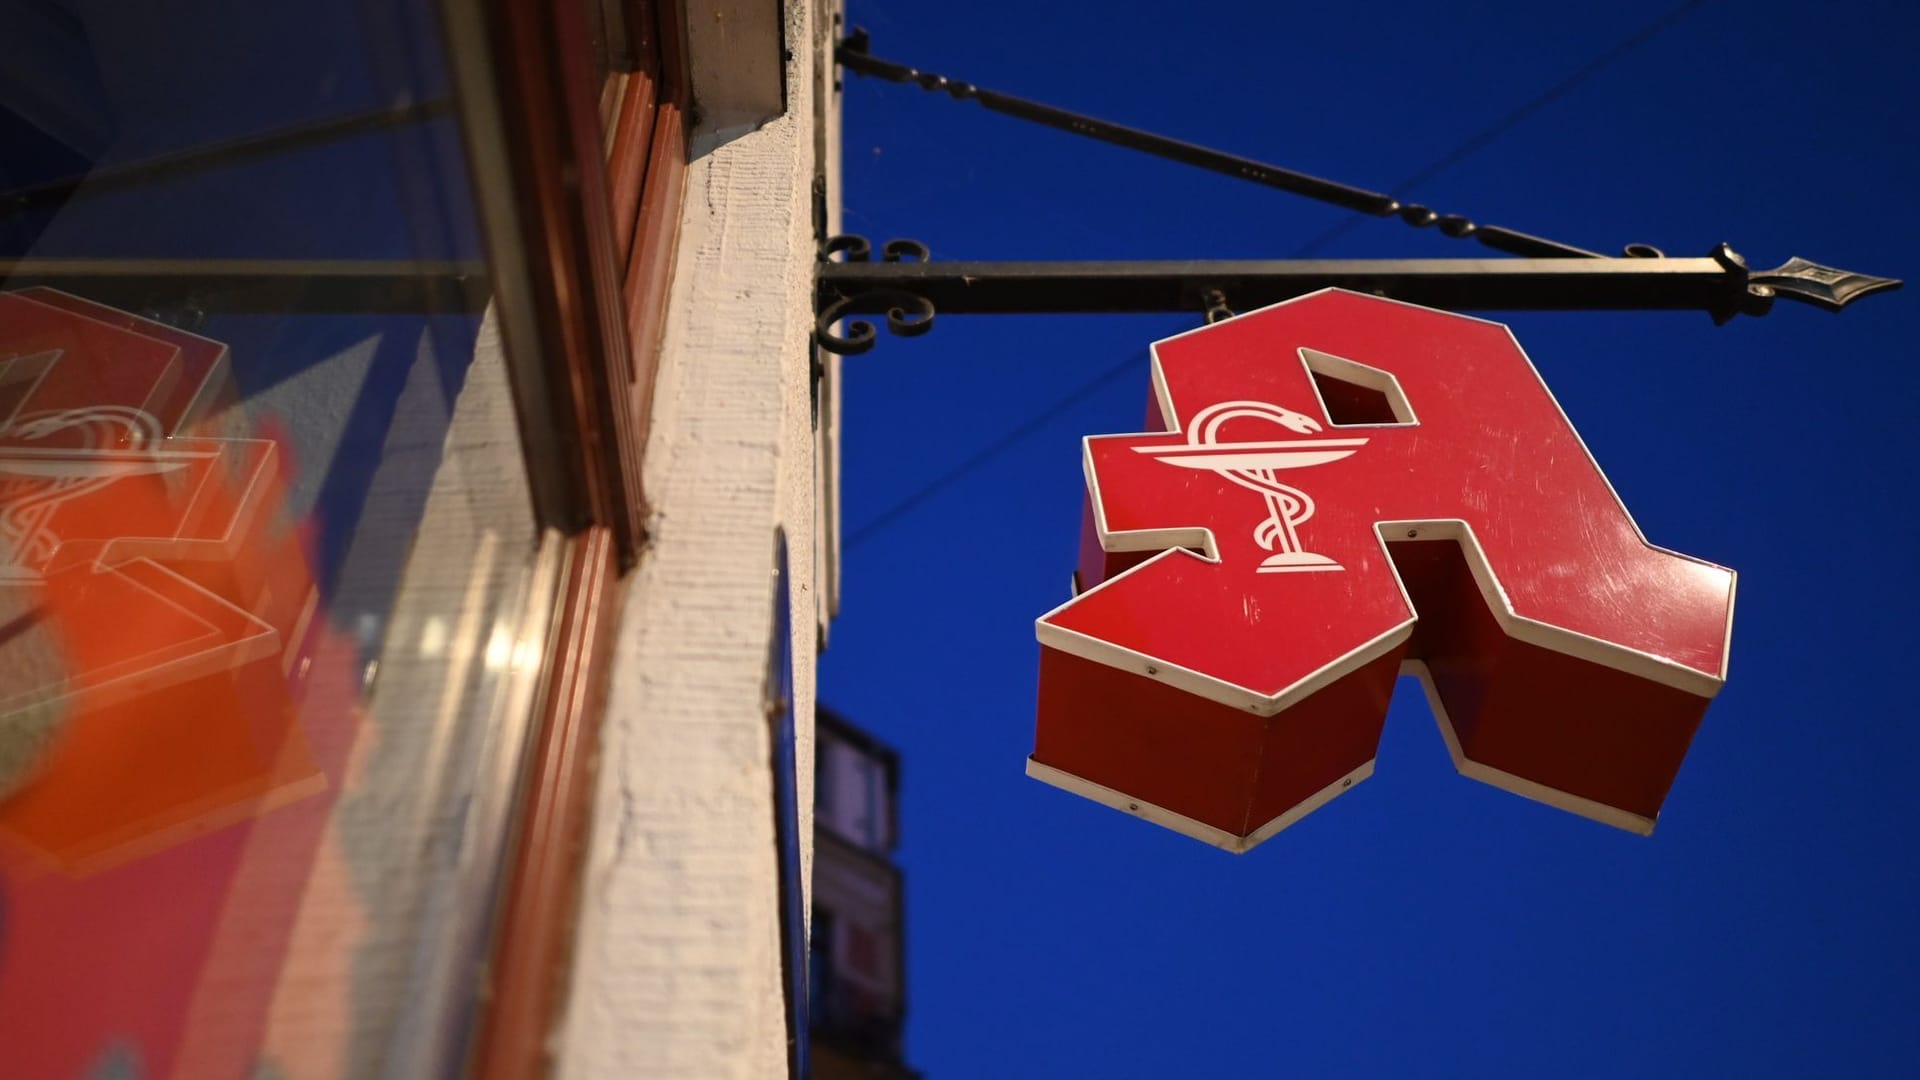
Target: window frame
point(581, 211)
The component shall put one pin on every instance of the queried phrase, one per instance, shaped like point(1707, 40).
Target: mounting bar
point(307, 286)
point(220, 155)
point(854, 55)
point(1028, 288)
point(909, 289)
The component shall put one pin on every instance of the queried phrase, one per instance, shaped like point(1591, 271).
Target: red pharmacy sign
point(1343, 489)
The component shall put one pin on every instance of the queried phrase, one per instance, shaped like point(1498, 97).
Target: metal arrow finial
point(1821, 286)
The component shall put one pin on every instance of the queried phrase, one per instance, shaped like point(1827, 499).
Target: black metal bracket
point(191, 288)
point(852, 54)
point(1550, 276)
point(908, 313)
point(909, 293)
point(220, 155)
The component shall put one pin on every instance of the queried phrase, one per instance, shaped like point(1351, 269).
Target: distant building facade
point(857, 959)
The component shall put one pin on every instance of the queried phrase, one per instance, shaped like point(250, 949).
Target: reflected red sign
point(1343, 488)
point(159, 631)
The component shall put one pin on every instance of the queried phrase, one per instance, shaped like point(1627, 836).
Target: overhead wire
point(1486, 136)
point(1465, 149)
point(987, 453)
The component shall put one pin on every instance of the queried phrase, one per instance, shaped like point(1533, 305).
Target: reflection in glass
point(272, 596)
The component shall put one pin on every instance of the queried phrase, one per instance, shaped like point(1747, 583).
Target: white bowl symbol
point(1252, 465)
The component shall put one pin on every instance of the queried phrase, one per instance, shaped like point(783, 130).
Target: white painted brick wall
point(677, 970)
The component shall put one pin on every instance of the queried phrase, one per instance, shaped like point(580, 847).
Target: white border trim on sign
point(33, 370)
point(199, 405)
point(1380, 380)
point(1518, 785)
point(1186, 826)
point(1173, 543)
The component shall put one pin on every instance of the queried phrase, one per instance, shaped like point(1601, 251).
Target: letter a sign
point(1344, 488)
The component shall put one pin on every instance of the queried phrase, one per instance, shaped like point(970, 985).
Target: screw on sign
point(1347, 488)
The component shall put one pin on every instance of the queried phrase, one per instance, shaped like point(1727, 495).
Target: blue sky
point(1423, 925)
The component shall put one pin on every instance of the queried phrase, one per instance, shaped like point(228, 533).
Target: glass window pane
point(272, 594)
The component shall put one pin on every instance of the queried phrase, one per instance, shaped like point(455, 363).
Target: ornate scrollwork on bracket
point(858, 248)
point(908, 314)
point(855, 248)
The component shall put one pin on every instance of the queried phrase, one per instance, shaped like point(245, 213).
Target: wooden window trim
point(650, 266)
point(654, 231)
point(546, 122)
point(631, 136)
point(582, 238)
point(540, 906)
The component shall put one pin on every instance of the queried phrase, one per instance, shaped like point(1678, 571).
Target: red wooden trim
point(643, 34)
point(533, 951)
point(593, 209)
point(649, 269)
point(611, 96)
point(672, 43)
point(550, 111)
point(649, 265)
point(627, 163)
point(602, 305)
point(551, 120)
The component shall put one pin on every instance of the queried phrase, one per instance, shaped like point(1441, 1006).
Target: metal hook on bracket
point(1216, 306)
